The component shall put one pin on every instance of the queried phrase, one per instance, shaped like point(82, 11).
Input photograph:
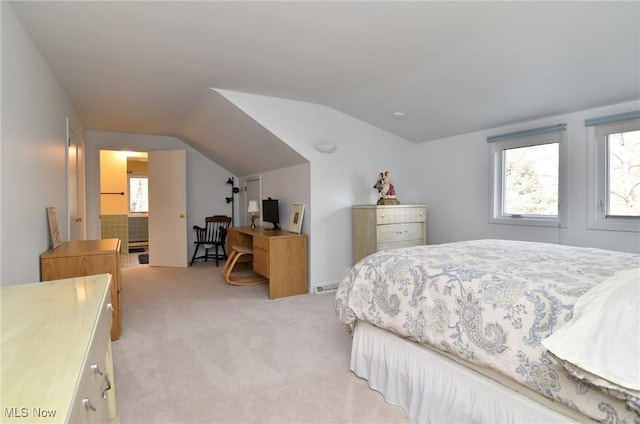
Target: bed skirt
point(433, 388)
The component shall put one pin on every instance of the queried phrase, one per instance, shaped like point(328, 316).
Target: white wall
point(338, 180)
point(453, 176)
point(33, 174)
point(206, 180)
point(289, 185)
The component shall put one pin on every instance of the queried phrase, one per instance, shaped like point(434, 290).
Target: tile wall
point(138, 229)
point(116, 226)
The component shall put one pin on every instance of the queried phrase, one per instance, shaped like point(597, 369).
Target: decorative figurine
point(386, 190)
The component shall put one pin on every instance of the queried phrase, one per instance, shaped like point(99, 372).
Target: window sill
point(138, 214)
point(614, 224)
point(527, 221)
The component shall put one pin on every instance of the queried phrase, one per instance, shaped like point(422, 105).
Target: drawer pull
point(104, 392)
point(96, 369)
point(110, 306)
point(87, 404)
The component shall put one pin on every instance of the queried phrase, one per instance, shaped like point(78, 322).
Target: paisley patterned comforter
point(490, 302)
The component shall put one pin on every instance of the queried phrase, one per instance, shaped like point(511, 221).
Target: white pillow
point(603, 335)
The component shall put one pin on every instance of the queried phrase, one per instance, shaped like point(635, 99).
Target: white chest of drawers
point(56, 352)
point(382, 227)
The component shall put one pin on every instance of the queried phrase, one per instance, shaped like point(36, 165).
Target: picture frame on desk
point(295, 222)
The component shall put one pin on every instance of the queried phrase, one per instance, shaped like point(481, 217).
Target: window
point(138, 193)
point(528, 179)
point(614, 172)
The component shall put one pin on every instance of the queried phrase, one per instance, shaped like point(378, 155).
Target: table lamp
point(253, 209)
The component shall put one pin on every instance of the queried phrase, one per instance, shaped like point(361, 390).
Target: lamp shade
point(253, 206)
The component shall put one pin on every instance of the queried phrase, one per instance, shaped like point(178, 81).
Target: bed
point(498, 331)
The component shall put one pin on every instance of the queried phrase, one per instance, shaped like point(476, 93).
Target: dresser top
point(84, 247)
point(417, 205)
point(47, 329)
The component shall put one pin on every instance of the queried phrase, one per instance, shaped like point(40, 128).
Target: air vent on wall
point(326, 288)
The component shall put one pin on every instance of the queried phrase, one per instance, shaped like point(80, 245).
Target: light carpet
point(196, 350)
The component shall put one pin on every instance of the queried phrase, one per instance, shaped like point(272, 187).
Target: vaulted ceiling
point(449, 67)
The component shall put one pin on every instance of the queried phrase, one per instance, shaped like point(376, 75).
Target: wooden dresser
point(280, 256)
point(382, 227)
point(56, 352)
point(86, 257)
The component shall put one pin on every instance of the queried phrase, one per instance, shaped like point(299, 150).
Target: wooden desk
point(86, 257)
point(280, 256)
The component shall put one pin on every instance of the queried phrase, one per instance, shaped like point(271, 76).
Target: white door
point(168, 208)
point(76, 223)
point(251, 192)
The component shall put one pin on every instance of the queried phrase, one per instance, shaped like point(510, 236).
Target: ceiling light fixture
point(398, 115)
point(326, 148)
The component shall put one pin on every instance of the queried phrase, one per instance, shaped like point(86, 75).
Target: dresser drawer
point(91, 404)
point(261, 243)
point(400, 215)
point(94, 396)
point(398, 244)
point(399, 232)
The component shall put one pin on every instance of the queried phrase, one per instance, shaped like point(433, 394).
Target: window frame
point(547, 135)
point(131, 175)
point(597, 177)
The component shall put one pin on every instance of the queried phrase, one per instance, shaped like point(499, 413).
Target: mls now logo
point(23, 412)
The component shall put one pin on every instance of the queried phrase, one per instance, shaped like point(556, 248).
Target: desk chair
point(241, 254)
point(212, 237)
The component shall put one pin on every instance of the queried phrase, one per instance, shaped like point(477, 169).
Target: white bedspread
point(490, 302)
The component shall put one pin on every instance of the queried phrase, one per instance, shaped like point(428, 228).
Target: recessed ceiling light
point(398, 115)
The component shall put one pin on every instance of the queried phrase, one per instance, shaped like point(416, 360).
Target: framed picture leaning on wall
point(295, 223)
point(53, 227)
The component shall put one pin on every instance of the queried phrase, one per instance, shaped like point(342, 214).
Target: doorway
point(122, 182)
point(124, 202)
point(251, 192)
point(138, 221)
point(75, 198)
